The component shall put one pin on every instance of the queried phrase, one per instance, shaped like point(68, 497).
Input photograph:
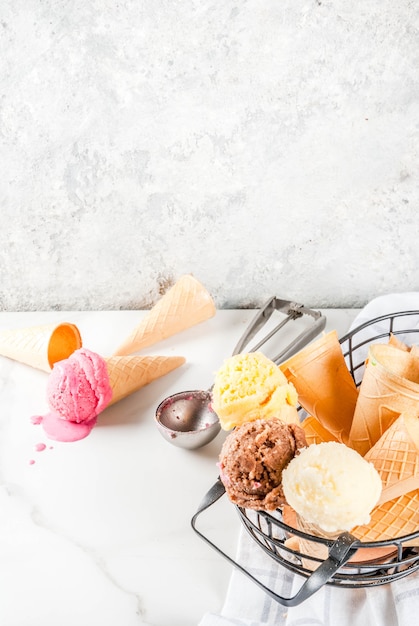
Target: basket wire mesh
point(388, 560)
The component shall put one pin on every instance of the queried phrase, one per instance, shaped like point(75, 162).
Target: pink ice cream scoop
point(78, 390)
point(78, 387)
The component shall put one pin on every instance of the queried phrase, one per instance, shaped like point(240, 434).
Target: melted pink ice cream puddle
point(64, 430)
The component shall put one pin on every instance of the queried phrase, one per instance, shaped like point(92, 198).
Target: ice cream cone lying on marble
point(186, 304)
point(324, 384)
point(128, 374)
point(40, 346)
point(82, 386)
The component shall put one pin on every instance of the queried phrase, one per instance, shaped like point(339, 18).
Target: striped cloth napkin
point(395, 604)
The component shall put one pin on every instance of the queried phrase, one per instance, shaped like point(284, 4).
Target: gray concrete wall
point(267, 147)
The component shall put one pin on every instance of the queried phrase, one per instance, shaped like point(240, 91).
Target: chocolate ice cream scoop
point(252, 459)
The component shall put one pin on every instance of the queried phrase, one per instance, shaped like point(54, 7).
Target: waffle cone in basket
point(315, 432)
point(396, 457)
point(392, 519)
point(324, 384)
point(313, 549)
point(389, 387)
point(127, 374)
point(187, 303)
point(397, 343)
point(40, 346)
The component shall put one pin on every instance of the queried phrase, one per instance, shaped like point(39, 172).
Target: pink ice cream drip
point(78, 390)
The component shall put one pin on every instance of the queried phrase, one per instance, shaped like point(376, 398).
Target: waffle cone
point(395, 341)
point(315, 432)
point(390, 386)
point(392, 519)
point(127, 374)
point(324, 384)
point(396, 457)
point(40, 346)
point(310, 549)
point(315, 549)
point(187, 303)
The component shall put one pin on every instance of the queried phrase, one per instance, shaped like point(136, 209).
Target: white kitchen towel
point(247, 605)
point(383, 306)
point(395, 604)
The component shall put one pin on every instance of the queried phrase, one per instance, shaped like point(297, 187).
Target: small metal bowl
point(186, 419)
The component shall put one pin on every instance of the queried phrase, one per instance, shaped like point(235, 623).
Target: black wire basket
point(342, 563)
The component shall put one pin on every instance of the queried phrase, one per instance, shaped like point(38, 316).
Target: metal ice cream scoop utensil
point(186, 419)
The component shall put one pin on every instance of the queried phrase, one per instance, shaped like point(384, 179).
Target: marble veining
point(266, 147)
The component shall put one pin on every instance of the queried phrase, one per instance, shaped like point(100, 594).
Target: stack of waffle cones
point(381, 422)
point(390, 385)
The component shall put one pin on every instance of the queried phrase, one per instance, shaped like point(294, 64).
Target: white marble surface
point(98, 531)
point(267, 146)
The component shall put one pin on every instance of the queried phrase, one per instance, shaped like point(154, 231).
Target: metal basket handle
point(340, 552)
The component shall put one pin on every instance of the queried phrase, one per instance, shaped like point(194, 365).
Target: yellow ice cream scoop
point(250, 386)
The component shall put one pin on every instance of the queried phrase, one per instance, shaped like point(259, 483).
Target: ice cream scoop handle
point(301, 341)
point(339, 553)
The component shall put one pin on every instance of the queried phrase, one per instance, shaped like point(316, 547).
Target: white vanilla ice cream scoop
point(331, 486)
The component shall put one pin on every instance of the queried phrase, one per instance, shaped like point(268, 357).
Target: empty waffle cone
point(392, 519)
point(127, 374)
point(324, 384)
point(315, 432)
point(40, 346)
point(395, 341)
point(395, 456)
point(187, 303)
point(390, 386)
